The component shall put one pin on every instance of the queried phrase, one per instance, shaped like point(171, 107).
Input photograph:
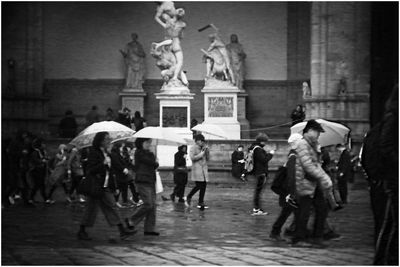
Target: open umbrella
point(335, 133)
point(116, 130)
point(159, 133)
point(210, 129)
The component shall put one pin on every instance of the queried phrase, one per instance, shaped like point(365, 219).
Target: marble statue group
point(224, 63)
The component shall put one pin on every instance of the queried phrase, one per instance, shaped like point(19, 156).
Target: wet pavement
point(224, 234)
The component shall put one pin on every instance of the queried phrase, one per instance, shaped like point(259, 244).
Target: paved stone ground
point(225, 234)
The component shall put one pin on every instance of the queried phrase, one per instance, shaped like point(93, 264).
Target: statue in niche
point(217, 58)
point(171, 67)
point(134, 57)
point(237, 59)
point(343, 73)
point(306, 90)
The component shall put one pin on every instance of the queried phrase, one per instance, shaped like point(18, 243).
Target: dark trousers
point(180, 184)
point(385, 211)
point(75, 180)
point(199, 186)
point(147, 211)
point(342, 186)
point(286, 211)
point(261, 182)
point(123, 188)
point(107, 205)
point(303, 215)
point(38, 178)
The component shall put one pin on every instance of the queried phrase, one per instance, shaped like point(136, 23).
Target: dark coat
point(180, 170)
point(261, 159)
point(146, 165)
point(97, 169)
point(389, 148)
point(344, 166)
point(118, 164)
point(237, 168)
point(124, 120)
point(297, 116)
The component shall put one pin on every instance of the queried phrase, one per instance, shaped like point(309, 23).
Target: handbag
point(88, 187)
point(159, 185)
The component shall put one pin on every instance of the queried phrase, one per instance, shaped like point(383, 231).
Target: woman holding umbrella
point(98, 169)
point(146, 165)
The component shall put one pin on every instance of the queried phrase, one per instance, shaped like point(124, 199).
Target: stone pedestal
point(133, 99)
point(241, 115)
point(340, 64)
point(174, 114)
point(221, 108)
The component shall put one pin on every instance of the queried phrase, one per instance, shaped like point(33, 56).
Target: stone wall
point(269, 103)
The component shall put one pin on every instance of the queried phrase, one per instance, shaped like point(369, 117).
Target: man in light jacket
point(199, 154)
point(311, 181)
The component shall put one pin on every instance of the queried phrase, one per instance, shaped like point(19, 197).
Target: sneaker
point(276, 237)
point(332, 236)
point(139, 203)
point(202, 206)
point(11, 200)
point(50, 201)
point(17, 197)
point(152, 233)
point(83, 236)
point(118, 205)
point(82, 199)
point(68, 199)
point(188, 200)
point(126, 234)
point(259, 212)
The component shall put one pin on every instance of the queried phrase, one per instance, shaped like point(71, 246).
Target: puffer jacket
point(307, 163)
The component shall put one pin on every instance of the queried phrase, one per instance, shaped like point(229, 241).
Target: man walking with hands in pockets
point(199, 154)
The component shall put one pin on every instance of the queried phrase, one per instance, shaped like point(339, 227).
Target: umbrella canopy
point(159, 133)
point(116, 130)
point(335, 133)
point(210, 129)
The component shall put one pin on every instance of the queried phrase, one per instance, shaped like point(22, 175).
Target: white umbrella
point(335, 133)
point(211, 129)
point(116, 130)
point(159, 133)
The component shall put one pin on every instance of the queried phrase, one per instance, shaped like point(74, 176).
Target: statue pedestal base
point(221, 108)
point(133, 99)
point(174, 114)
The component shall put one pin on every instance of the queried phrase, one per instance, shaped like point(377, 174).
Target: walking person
point(98, 169)
point(75, 173)
point(238, 163)
point(38, 170)
point(58, 174)
point(180, 174)
point(260, 169)
point(288, 194)
point(311, 180)
point(344, 172)
point(119, 168)
point(145, 165)
point(200, 155)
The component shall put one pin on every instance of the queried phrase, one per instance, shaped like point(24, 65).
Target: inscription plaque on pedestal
point(220, 107)
point(174, 117)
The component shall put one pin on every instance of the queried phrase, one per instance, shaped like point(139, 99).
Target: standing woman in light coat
point(199, 154)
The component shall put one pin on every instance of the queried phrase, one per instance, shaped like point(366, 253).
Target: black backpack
point(370, 153)
point(279, 184)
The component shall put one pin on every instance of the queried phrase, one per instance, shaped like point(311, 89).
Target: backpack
point(280, 184)
point(370, 153)
point(249, 160)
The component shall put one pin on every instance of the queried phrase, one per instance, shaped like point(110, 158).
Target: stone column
point(340, 64)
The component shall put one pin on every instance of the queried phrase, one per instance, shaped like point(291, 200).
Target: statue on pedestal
point(168, 53)
point(134, 56)
point(218, 60)
point(237, 59)
point(306, 90)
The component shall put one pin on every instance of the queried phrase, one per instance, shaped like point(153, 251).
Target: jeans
point(261, 182)
point(147, 211)
point(283, 216)
point(107, 205)
point(199, 186)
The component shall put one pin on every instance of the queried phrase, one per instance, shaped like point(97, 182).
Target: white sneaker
point(82, 199)
point(11, 200)
point(50, 201)
point(119, 205)
point(140, 202)
point(257, 212)
point(17, 196)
